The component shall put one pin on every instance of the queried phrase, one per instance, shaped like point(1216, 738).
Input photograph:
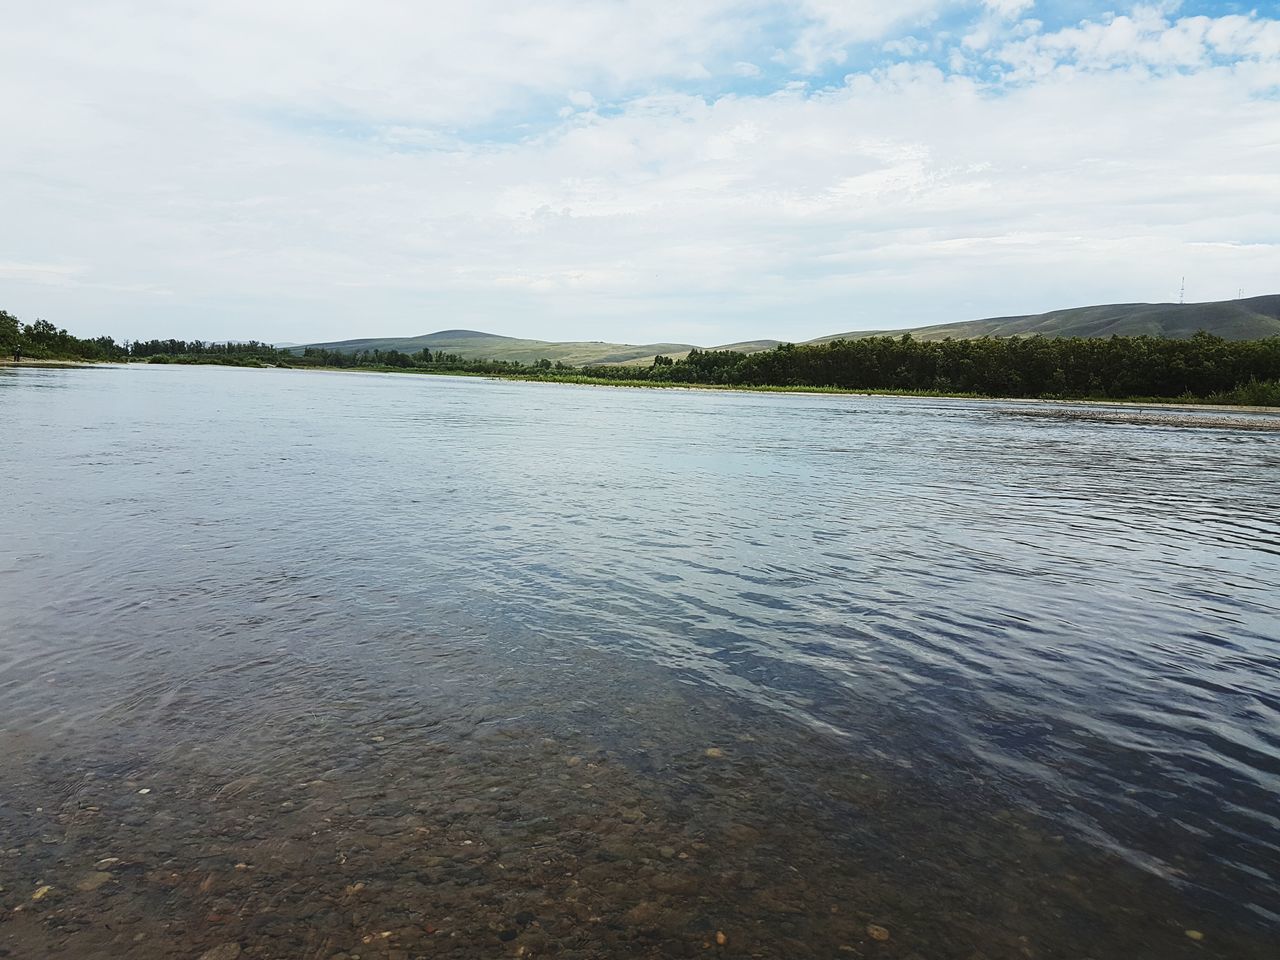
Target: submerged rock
point(93, 881)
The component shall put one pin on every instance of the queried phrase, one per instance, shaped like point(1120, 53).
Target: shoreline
point(39, 362)
point(1167, 403)
point(1164, 404)
point(1136, 406)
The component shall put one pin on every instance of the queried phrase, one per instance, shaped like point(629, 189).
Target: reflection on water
point(316, 665)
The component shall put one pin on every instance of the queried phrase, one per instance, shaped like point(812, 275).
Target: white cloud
point(1009, 8)
point(55, 274)
point(978, 39)
point(202, 174)
point(905, 46)
point(836, 24)
point(1146, 38)
point(377, 59)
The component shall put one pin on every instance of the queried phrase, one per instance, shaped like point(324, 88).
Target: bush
point(1255, 393)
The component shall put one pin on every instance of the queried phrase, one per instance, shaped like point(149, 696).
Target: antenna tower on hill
point(1182, 291)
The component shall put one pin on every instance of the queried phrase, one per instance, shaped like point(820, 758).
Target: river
point(299, 664)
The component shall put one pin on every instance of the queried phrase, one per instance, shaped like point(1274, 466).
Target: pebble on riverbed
point(93, 881)
point(481, 852)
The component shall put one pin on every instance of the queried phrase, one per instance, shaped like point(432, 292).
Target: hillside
point(745, 346)
point(1248, 319)
point(473, 344)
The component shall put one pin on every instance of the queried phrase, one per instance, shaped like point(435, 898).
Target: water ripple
point(1087, 617)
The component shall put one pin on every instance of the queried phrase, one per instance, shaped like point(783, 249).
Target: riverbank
point(1260, 418)
point(1063, 408)
point(40, 362)
point(1154, 404)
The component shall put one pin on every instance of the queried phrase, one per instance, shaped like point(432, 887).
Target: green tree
point(10, 333)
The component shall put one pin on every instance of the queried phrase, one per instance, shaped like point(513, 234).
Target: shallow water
point(313, 665)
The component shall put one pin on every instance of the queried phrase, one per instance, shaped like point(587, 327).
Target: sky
point(702, 171)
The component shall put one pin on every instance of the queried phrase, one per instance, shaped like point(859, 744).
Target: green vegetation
point(239, 353)
point(424, 360)
point(1202, 368)
point(10, 332)
point(1254, 318)
point(42, 340)
point(473, 345)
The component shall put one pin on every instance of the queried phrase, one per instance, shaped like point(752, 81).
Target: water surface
point(392, 666)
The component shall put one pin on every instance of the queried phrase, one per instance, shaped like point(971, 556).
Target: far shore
point(1258, 419)
point(843, 392)
point(38, 362)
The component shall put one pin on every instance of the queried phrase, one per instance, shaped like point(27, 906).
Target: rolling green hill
point(1248, 319)
point(475, 345)
point(745, 346)
point(488, 346)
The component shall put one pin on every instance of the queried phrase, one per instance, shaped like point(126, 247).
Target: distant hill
point(475, 345)
point(1246, 319)
point(745, 346)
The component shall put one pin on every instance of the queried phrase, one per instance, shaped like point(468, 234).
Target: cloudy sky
point(636, 170)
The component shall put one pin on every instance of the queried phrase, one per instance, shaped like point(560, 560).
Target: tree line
point(42, 340)
point(1063, 367)
point(423, 359)
point(1202, 367)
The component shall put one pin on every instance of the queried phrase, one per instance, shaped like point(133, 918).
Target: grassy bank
point(1263, 396)
point(1199, 370)
point(1244, 397)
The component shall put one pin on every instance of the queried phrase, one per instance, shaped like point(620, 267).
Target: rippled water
point(322, 664)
